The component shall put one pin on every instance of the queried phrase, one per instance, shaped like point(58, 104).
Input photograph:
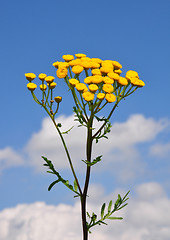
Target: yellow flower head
point(94, 65)
point(110, 97)
point(73, 82)
point(108, 88)
point(86, 64)
point(49, 79)
point(58, 99)
point(80, 55)
point(137, 82)
point(52, 85)
point(88, 80)
point(100, 96)
point(116, 65)
point(62, 72)
point(75, 62)
point(42, 76)
point(56, 64)
point(93, 88)
point(118, 71)
point(68, 57)
point(43, 87)
point(97, 60)
point(131, 74)
point(96, 72)
point(31, 86)
point(113, 75)
point(88, 96)
point(108, 80)
point(106, 69)
point(123, 81)
point(96, 79)
point(81, 87)
point(77, 69)
point(30, 76)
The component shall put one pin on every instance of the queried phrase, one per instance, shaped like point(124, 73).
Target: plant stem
point(84, 195)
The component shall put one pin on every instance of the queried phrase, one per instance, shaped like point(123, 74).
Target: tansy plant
point(102, 85)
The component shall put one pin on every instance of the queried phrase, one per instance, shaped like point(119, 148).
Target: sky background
point(34, 34)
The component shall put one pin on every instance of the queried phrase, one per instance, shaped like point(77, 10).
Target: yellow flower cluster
point(102, 77)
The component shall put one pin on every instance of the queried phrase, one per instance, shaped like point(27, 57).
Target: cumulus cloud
point(120, 150)
point(146, 217)
point(9, 158)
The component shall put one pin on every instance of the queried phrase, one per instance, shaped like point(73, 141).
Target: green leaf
point(52, 184)
point(110, 206)
point(102, 210)
point(75, 185)
point(115, 218)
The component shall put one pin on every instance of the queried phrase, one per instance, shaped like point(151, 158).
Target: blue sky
point(34, 34)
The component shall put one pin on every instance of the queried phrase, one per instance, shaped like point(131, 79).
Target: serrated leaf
point(102, 210)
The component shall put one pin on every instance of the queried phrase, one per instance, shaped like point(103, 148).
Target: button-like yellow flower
point(131, 74)
point(86, 64)
point(31, 86)
point(80, 55)
point(96, 72)
point(52, 85)
point(30, 76)
point(137, 82)
point(56, 64)
point(68, 57)
point(108, 80)
point(88, 96)
point(113, 75)
point(96, 79)
point(62, 72)
point(43, 87)
point(88, 80)
point(58, 99)
point(116, 65)
point(81, 87)
point(49, 79)
point(73, 82)
point(106, 69)
point(123, 81)
point(94, 65)
point(93, 88)
point(118, 71)
point(97, 60)
point(110, 97)
point(63, 65)
point(42, 76)
point(100, 96)
point(108, 88)
point(75, 62)
point(77, 69)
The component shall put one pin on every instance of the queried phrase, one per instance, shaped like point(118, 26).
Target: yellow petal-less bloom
point(94, 65)
point(49, 79)
point(77, 69)
point(108, 88)
point(106, 69)
point(80, 55)
point(101, 96)
point(113, 75)
point(62, 72)
point(31, 86)
point(58, 99)
point(131, 74)
point(42, 76)
point(96, 79)
point(43, 87)
point(73, 82)
point(123, 81)
point(96, 72)
point(88, 80)
point(86, 64)
point(108, 80)
point(56, 64)
point(116, 65)
point(81, 87)
point(97, 60)
point(110, 97)
point(118, 71)
point(52, 85)
point(137, 82)
point(75, 62)
point(68, 57)
point(93, 88)
point(30, 76)
point(88, 96)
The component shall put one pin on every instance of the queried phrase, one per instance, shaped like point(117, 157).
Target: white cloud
point(120, 150)
point(160, 150)
point(9, 158)
point(146, 217)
